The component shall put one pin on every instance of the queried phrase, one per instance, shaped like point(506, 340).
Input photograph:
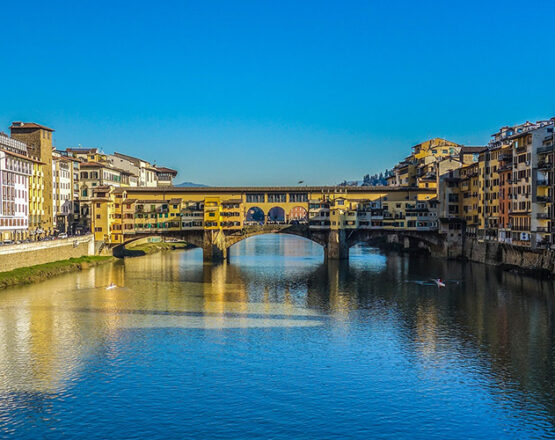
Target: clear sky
point(272, 92)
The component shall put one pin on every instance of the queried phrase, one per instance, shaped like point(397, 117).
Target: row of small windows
point(276, 197)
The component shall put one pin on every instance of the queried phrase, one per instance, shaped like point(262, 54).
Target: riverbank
point(154, 247)
point(535, 262)
point(41, 272)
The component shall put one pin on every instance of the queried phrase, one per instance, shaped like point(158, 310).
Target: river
point(277, 344)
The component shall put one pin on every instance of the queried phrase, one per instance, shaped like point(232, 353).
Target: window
point(276, 198)
point(255, 198)
point(298, 197)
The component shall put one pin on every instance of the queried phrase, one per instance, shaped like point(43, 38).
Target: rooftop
point(82, 150)
point(467, 149)
point(133, 159)
point(9, 142)
point(19, 125)
point(20, 156)
point(166, 170)
point(259, 189)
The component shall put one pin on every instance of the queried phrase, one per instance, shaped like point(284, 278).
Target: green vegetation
point(152, 248)
point(40, 272)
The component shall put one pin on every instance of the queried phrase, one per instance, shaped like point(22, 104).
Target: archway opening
point(276, 215)
point(297, 215)
point(255, 216)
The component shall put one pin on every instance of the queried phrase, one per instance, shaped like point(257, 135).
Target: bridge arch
point(295, 230)
point(276, 215)
point(420, 241)
point(298, 213)
point(255, 215)
point(191, 238)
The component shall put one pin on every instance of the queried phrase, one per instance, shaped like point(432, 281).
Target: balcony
point(543, 216)
point(546, 149)
point(543, 165)
point(542, 182)
point(542, 229)
point(543, 199)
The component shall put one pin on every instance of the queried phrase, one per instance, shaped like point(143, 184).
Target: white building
point(62, 191)
point(15, 170)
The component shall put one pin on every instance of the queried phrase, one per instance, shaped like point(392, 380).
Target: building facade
point(38, 139)
point(16, 169)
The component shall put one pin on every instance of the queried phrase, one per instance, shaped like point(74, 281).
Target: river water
point(277, 344)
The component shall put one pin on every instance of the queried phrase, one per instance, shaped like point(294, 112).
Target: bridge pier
point(337, 247)
point(214, 246)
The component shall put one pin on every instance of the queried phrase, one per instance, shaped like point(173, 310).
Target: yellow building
point(469, 191)
point(223, 214)
point(232, 214)
point(156, 215)
point(102, 206)
point(36, 200)
point(344, 214)
point(212, 213)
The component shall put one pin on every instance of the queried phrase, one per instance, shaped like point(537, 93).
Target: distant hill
point(191, 184)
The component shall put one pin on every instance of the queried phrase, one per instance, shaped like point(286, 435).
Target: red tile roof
point(18, 124)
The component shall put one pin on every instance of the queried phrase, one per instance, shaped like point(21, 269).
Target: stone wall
point(509, 256)
point(29, 254)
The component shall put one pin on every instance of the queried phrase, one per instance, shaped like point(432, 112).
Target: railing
point(543, 216)
point(545, 165)
point(544, 150)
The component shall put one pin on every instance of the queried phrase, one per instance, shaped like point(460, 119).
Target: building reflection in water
point(502, 321)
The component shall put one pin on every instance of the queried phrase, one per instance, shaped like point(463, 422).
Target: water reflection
point(486, 339)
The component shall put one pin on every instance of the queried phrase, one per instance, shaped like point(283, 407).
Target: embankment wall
point(509, 256)
point(29, 254)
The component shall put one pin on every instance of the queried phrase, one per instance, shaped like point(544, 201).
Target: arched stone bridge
point(336, 243)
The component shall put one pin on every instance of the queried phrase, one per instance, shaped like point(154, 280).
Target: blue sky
point(269, 93)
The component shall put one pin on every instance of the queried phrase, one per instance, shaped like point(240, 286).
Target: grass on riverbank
point(40, 272)
point(152, 248)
